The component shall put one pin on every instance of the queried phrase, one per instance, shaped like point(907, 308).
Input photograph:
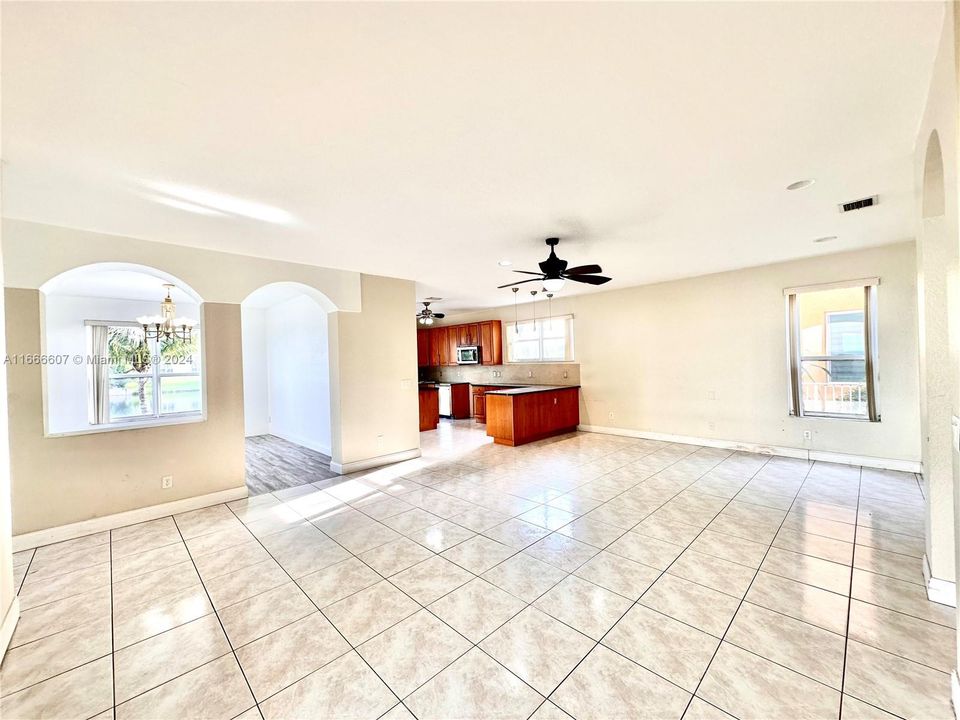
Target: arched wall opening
point(286, 368)
point(100, 372)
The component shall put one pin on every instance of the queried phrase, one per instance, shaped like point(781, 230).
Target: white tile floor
point(590, 577)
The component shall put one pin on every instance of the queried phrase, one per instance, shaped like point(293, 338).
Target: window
point(832, 350)
point(144, 380)
point(544, 340)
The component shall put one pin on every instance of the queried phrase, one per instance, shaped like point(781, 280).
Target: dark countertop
point(532, 389)
point(428, 386)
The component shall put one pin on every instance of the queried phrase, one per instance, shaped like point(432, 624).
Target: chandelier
point(166, 326)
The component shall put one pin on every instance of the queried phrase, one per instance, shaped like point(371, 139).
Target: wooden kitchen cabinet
point(437, 346)
point(451, 345)
point(491, 343)
point(423, 348)
point(468, 335)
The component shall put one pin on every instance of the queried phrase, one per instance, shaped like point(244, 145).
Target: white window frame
point(157, 417)
point(796, 358)
point(510, 327)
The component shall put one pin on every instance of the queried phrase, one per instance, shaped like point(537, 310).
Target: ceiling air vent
point(859, 204)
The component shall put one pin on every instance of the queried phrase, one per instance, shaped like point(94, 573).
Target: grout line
point(756, 572)
point(319, 610)
point(846, 634)
point(216, 613)
point(113, 638)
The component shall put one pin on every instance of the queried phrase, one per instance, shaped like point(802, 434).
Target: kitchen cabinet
point(516, 417)
point(429, 407)
point(437, 346)
point(460, 401)
point(423, 348)
point(491, 343)
point(451, 345)
point(468, 335)
point(479, 403)
point(480, 399)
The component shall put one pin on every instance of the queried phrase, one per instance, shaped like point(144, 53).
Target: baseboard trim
point(8, 625)
point(60, 533)
point(781, 450)
point(938, 591)
point(358, 465)
point(305, 442)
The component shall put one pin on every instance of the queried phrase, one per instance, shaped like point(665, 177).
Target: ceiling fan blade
point(439, 315)
point(536, 279)
point(529, 272)
point(590, 279)
point(583, 270)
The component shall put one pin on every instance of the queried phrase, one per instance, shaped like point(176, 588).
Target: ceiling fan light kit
point(428, 316)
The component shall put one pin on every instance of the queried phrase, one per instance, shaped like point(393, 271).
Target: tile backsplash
point(520, 373)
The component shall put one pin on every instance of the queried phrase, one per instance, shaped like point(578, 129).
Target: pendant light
point(516, 317)
point(533, 294)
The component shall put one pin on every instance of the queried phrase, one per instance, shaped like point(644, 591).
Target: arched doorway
point(286, 386)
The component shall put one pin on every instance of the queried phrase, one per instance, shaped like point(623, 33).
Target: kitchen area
point(464, 375)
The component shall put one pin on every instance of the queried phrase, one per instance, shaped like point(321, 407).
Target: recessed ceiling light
point(825, 238)
point(504, 263)
point(800, 184)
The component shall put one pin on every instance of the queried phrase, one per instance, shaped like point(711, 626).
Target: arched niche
point(84, 313)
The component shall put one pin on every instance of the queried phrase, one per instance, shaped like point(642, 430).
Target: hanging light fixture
point(550, 310)
point(516, 317)
point(166, 326)
point(533, 294)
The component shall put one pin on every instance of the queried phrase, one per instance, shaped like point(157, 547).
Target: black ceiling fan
point(554, 271)
point(427, 316)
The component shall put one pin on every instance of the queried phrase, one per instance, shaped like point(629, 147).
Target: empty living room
point(479, 360)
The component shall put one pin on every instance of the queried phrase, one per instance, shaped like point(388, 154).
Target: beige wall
point(7, 591)
point(61, 480)
point(938, 286)
point(652, 355)
point(376, 364)
point(34, 253)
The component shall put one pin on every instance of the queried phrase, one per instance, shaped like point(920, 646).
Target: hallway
point(276, 464)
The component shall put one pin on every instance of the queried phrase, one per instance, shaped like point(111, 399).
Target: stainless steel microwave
point(468, 355)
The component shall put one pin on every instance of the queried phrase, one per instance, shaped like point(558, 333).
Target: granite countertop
point(532, 389)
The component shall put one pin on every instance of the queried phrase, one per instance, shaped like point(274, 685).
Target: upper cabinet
point(491, 343)
point(423, 348)
point(437, 346)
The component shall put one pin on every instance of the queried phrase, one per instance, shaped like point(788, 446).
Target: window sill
point(131, 425)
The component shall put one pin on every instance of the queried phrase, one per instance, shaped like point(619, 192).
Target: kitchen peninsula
point(521, 415)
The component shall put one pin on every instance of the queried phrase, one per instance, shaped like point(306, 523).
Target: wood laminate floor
point(276, 464)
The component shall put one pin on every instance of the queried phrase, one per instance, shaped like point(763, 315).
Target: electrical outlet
point(166, 482)
point(566, 374)
point(529, 373)
point(807, 435)
point(379, 440)
point(711, 395)
point(711, 425)
point(610, 415)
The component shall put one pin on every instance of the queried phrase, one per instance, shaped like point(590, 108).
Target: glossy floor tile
point(586, 576)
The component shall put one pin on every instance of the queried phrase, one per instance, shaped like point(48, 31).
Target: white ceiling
point(428, 141)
